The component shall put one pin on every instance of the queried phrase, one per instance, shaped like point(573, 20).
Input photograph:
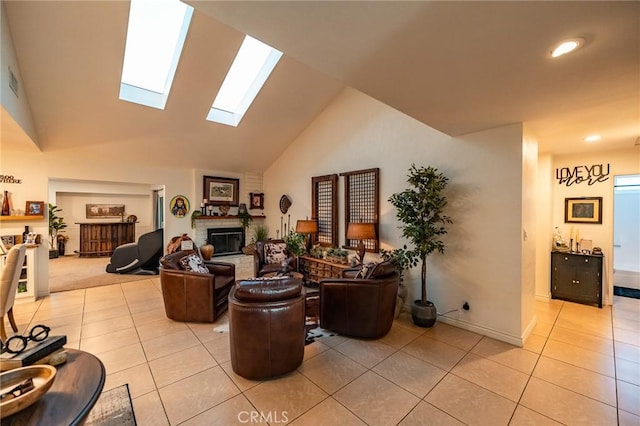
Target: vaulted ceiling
point(458, 67)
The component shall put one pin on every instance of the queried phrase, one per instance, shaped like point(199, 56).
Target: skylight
point(250, 69)
point(155, 37)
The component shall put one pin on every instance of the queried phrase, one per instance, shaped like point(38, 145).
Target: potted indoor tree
point(420, 209)
point(56, 224)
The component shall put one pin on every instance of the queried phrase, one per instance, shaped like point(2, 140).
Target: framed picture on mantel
point(218, 190)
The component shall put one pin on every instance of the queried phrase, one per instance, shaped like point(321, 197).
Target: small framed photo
point(257, 200)
point(583, 210)
point(34, 208)
point(7, 241)
point(219, 190)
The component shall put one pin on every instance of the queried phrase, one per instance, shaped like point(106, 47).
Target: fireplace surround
point(226, 241)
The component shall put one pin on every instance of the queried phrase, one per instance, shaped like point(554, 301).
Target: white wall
point(483, 262)
point(544, 226)
point(621, 162)
point(16, 106)
point(529, 233)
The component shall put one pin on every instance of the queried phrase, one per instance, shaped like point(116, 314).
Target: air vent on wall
point(13, 82)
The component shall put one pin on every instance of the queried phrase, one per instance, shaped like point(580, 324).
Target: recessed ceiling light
point(566, 46)
point(592, 138)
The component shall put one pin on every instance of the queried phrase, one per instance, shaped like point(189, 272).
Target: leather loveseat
point(266, 327)
point(195, 296)
point(362, 303)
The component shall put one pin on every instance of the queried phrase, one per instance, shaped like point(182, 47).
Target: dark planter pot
point(53, 254)
point(424, 315)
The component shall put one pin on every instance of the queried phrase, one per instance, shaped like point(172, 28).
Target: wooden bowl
point(42, 375)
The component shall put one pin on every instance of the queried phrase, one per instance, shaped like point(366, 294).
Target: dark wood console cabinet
point(315, 270)
point(577, 277)
point(101, 238)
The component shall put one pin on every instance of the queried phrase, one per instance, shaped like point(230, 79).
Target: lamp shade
point(361, 231)
point(307, 226)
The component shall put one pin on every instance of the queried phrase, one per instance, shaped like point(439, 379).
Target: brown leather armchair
point(360, 307)
point(267, 252)
point(195, 296)
point(266, 327)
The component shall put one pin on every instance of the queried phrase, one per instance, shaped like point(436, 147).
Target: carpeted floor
point(626, 292)
point(113, 408)
point(72, 273)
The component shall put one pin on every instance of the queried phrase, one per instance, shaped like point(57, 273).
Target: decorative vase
point(224, 209)
point(207, 251)
point(61, 247)
point(424, 315)
point(6, 210)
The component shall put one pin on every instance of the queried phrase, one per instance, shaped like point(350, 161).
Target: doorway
point(158, 208)
point(626, 235)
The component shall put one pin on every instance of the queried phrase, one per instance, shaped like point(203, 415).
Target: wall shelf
point(20, 218)
point(231, 216)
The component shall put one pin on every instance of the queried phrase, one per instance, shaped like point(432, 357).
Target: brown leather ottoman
point(266, 327)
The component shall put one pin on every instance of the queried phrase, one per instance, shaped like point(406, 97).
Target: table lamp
point(307, 227)
point(360, 231)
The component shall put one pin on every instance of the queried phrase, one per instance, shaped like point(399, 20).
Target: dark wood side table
point(312, 297)
point(74, 392)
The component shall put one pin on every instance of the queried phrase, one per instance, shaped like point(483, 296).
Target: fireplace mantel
point(230, 216)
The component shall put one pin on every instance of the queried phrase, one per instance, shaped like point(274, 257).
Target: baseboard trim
point(485, 331)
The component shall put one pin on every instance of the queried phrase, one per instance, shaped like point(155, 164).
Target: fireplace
point(226, 241)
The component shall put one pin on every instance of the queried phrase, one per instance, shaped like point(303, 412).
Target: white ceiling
point(457, 66)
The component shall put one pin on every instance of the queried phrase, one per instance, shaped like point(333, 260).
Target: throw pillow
point(193, 263)
point(275, 252)
point(382, 269)
point(172, 261)
point(365, 270)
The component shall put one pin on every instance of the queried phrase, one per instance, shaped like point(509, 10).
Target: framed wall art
point(179, 206)
point(257, 200)
point(34, 208)
point(583, 210)
point(219, 190)
point(7, 241)
point(104, 211)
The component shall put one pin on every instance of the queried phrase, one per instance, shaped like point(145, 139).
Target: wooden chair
point(9, 285)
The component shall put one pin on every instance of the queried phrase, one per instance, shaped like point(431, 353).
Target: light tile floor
point(580, 366)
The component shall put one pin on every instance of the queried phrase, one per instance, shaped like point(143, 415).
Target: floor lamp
point(360, 231)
